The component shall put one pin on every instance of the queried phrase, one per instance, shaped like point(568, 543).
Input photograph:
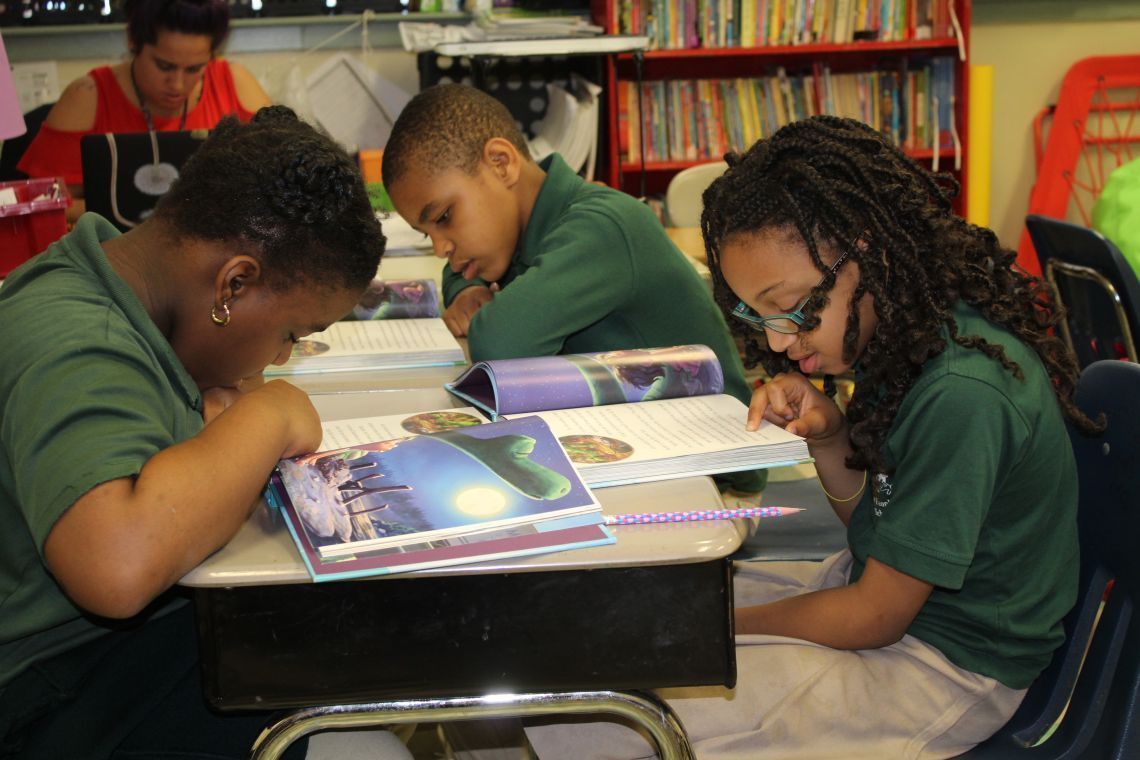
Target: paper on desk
point(402, 239)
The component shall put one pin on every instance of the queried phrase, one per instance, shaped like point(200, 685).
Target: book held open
point(633, 415)
point(431, 489)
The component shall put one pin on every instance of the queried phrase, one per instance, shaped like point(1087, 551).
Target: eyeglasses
point(791, 322)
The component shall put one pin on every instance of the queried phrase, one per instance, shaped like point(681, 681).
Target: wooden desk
point(653, 609)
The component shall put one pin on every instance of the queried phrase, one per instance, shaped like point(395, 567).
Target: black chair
point(1099, 664)
point(14, 147)
point(1096, 285)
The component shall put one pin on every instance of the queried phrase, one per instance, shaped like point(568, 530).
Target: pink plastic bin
point(35, 221)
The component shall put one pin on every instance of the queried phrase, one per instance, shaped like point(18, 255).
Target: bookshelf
point(741, 82)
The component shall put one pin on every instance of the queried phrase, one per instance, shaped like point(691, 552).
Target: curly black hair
point(286, 191)
point(146, 18)
point(446, 126)
point(841, 184)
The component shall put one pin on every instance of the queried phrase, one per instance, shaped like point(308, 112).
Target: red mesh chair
point(1095, 127)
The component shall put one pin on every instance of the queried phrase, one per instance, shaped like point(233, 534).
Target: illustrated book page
point(566, 381)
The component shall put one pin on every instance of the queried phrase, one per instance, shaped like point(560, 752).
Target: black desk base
point(290, 646)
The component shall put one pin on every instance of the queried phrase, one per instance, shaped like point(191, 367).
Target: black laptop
point(125, 173)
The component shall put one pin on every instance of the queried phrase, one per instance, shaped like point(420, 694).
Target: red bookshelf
point(666, 64)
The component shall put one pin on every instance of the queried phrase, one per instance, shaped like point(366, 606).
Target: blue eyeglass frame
point(744, 312)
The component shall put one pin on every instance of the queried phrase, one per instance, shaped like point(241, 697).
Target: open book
point(567, 381)
point(635, 415)
point(397, 299)
point(375, 344)
point(426, 490)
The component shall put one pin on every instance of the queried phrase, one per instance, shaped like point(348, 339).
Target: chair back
point(1095, 284)
point(683, 195)
point(1093, 684)
point(15, 147)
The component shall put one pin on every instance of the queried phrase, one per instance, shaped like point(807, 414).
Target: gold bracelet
point(852, 497)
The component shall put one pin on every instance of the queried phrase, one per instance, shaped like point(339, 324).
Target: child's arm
point(462, 310)
point(124, 542)
point(873, 612)
point(792, 402)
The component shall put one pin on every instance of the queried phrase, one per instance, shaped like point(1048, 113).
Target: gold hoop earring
point(223, 320)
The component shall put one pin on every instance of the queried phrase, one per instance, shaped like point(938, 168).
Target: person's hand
point(303, 432)
point(792, 402)
point(458, 316)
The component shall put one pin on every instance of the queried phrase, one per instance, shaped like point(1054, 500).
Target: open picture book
point(405, 492)
point(631, 416)
point(373, 344)
point(397, 299)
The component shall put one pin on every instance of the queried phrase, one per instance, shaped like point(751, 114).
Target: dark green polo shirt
point(982, 504)
point(595, 271)
point(89, 391)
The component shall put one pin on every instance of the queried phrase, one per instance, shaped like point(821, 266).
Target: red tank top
point(55, 153)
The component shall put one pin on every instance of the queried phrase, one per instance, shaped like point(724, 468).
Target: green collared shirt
point(595, 271)
point(982, 504)
point(90, 391)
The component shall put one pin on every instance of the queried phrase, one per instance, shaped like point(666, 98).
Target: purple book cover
point(568, 381)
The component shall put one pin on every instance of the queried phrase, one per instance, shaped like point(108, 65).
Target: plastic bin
point(35, 221)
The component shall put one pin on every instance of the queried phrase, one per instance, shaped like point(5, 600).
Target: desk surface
point(263, 552)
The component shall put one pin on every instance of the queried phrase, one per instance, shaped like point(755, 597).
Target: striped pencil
point(698, 514)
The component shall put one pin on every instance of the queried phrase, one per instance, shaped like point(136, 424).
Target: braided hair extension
point(842, 186)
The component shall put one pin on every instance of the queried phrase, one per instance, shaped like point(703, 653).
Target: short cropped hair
point(146, 18)
point(287, 193)
point(445, 127)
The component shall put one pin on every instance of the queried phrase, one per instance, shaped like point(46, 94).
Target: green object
point(1116, 213)
point(378, 196)
point(982, 504)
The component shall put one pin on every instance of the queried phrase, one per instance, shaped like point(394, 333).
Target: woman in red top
point(171, 81)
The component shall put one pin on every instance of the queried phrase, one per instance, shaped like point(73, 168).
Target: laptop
point(125, 173)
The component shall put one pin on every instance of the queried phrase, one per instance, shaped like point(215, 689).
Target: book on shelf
point(686, 120)
point(633, 415)
point(375, 344)
point(672, 24)
point(433, 489)
point(397, 299)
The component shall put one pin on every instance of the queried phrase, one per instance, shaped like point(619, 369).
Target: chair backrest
point(1094, 679)
point(1096, 285)
point(14, 147)
point(683, 195)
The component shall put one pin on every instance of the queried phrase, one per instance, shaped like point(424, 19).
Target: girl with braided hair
point(951, 469)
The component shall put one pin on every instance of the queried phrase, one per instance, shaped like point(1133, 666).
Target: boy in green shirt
point(541, 262)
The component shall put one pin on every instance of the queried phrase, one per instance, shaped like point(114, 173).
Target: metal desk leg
point(643, 708)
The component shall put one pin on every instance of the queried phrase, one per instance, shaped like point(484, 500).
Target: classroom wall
point(1030, 60)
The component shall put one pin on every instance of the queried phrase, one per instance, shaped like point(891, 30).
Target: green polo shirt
point(595, 271)
point(983, 505)
point(89, 391)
